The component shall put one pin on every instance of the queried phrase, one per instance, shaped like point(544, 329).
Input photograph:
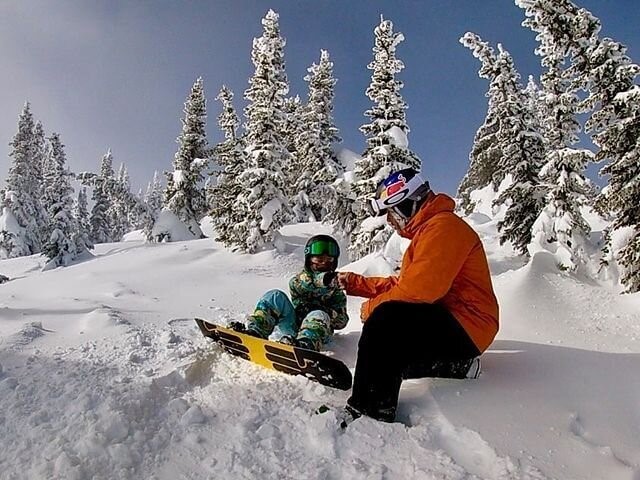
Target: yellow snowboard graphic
point(326, 370)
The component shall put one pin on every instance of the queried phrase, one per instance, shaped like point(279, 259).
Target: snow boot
point(287, 340)
point(474, 369)
point(344, 416)
point(238, 327)
point(306, 343)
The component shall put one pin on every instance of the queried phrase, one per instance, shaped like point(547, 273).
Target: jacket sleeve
point(338, 310)
point(368, 287)
point(435, 257)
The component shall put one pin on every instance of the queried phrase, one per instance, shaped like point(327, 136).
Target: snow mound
point(169, 228)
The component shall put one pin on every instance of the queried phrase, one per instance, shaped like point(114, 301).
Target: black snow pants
point(406, 340)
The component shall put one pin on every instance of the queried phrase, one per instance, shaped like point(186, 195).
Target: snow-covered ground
point(104, 376)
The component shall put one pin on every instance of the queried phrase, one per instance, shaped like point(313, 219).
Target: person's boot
point(238, 327)
point(344, 416)
point(306, 343)
point(347, 415)
point(258, 323)
point(287, 340)
point(474, 369)
point(242, 328)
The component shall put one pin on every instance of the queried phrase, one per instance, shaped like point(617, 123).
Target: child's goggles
point(322, 247)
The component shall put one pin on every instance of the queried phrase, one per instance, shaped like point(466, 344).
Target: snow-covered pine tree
point(263, 180)
point(485, 153)
point(122, 204)
point(226, 212)
point(102, 184)
point(569, 31)
point(387, 145)
point(521, 147)
point(291, 130)
point(536, 101)
point(20, 204)
point(83, 224)
point(40, 156)
point(137, 212)
point(560, 227)
point(61, 247)
point(153, 205)
point(184, 194)
point(601, 67)
point(523, 150)
point(615, 128)
point(318, 165)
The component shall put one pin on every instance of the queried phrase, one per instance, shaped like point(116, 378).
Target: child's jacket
point(308, 294)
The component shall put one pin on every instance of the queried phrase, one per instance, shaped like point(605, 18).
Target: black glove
point(330, 279)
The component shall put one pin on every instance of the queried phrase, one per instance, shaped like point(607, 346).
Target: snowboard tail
point(283, 358)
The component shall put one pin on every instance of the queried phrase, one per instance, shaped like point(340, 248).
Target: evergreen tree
point(264, 198)
point(226, 211)
point(486, 152)
point(83, 224)
point(566, 30)
point(102, 183)
point(40, 155)
point(519, 142)
point(561, 226)
point(61, 247)
point(537, 102)
point(122, 205)
point(153, 204)
point(184, 194)
point(137, 210)
point(318, 166)
point(601, 67)
point(615, 128)
point(20, 203)
point(292, 129)
point(342, 214)
point(386, 134)
point(523, 151)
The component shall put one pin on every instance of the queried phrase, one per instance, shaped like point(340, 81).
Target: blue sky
point(115, 73)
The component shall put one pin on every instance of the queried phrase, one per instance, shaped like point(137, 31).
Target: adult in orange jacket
point(437, 315)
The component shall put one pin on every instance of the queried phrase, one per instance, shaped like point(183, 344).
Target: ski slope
point(101, 377)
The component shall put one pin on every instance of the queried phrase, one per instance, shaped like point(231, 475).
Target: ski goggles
point(392, 194)
point(322, 247)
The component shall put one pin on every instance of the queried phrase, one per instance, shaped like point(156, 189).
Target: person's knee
point(274, 301)
point(319, 316)
point(275, 294)
point(381, 317)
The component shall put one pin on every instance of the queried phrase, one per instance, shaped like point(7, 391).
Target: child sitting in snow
point(317, 306)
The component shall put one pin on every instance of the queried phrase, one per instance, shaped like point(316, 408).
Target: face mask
point(397, 221)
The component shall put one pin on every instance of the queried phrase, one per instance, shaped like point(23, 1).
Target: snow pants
point(406, 340)
point(275, 317)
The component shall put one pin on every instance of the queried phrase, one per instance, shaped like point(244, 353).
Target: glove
point(330, 279)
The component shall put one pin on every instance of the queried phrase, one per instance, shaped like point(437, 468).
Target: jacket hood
point(438, 203)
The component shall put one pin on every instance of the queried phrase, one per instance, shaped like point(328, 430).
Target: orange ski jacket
point(446, 263)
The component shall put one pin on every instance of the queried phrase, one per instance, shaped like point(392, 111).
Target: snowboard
point(283, 358)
